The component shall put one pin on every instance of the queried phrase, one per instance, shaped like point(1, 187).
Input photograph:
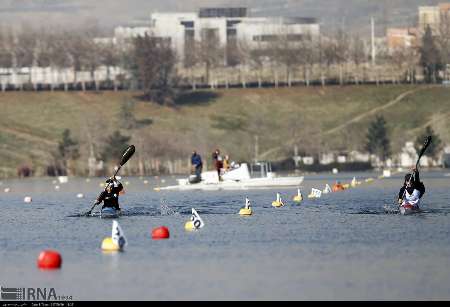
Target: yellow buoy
point(346, 186)
point(109, 245)
point(247, 210)
point(278, 203)
point(157, 189)
point(189, 225)
point(299, 197)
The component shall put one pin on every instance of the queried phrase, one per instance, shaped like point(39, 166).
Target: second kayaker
point(412, 190)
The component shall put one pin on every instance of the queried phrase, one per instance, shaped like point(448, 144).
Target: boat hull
point(109, 212)
point(254, 183)
point(406, 209)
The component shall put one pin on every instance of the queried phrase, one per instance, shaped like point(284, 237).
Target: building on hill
point(225, 26)
point(434, 17)
point(401, 38)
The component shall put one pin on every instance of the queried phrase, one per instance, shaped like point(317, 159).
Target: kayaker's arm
point(416, 175)
point(101, 197)
point(400, 194)
point(419, 184)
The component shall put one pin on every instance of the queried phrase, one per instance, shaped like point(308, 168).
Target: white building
point(225, 25)
point(326, 158)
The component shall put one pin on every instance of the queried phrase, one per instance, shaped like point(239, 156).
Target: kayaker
point(414, 190)
point(110, 196)
point(338, 187)
point(197, 165)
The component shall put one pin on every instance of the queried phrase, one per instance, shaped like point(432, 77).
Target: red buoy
point(160, 233)
point(49, 259)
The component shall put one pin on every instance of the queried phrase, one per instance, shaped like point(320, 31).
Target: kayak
point(407, 208)
point(109, 212)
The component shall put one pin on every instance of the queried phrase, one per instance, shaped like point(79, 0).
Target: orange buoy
point(49, 259)
point(338, 187)
point(160, 233)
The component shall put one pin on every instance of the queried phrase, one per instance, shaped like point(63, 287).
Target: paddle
point(422, 151)
point(125, 157)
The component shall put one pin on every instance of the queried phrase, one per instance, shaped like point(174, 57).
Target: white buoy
point(327, 189)
point(7, 190)
point(127, 182)
point(195, 221)
point(163, 180)
point(145, 181)
point(56, 187)
point(80, 195)
point(315, 193)
point(63, 179)
point(88, 180)
point(27, 199)
point(335, 171)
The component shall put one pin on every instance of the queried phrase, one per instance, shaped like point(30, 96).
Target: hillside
point(316, 119)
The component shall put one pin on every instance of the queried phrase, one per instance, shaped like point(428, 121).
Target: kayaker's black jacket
point(416, 185)
point(110, 196)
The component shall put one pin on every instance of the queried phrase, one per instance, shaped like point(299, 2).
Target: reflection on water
point(344, 245)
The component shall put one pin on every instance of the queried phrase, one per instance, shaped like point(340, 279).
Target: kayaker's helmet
point(112, 182)
point(409, 177)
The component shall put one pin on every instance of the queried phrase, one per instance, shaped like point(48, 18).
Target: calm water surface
point(342, 246)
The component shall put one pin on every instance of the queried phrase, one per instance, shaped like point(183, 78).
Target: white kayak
point(109, 212)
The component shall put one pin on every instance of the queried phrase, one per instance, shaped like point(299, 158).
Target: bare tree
point(284, 51)
point(23, 47)
point(443, 41)
point(342, 52)
point(257, 57)
point(357, 54)
point(109, 57)
point(400, 58)
point(306, 56)
point(154, 66)
point(210, 52)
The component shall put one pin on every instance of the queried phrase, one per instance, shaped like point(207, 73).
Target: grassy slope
point(31, 123)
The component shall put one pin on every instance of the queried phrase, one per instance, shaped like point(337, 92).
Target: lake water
point(342, 246)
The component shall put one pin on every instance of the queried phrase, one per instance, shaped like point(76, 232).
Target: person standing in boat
point(197, 165)
point(218, 163)
point(110, 196)
point(226, 163)
point(412, 190)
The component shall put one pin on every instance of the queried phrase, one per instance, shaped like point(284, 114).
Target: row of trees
point(155, 68)
point(67, 153)
point(378, 140)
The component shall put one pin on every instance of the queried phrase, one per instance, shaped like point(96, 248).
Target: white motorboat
point(235, 179)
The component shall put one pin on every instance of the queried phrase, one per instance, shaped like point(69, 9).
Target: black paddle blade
point(127, 154)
